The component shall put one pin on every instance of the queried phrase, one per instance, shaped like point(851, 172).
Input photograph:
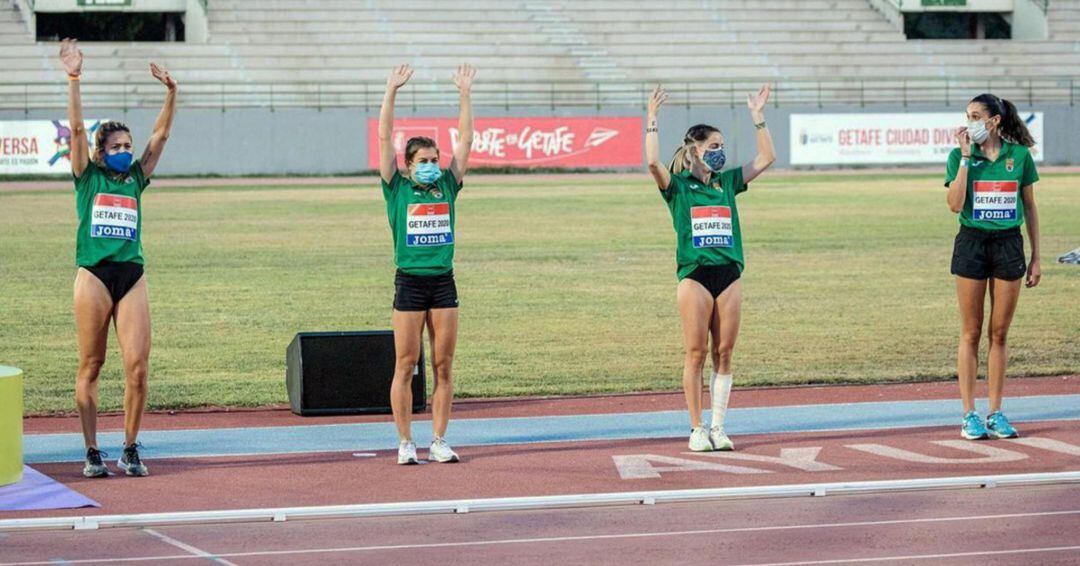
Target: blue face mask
point(714, 159)
point(119, 162)
point(427, 173)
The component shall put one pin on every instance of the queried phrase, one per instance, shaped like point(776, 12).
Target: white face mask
point(977, 130)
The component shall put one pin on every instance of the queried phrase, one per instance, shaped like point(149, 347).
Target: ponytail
point(680, 161)
point(1011, 127)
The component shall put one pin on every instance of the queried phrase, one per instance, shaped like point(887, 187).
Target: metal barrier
point(732, 92)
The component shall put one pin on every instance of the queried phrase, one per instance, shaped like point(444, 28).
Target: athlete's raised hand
point(398, 77)
point(656, 100)
point(71, 57)
point(756, 102)
point(162, 74)
point(463, 78)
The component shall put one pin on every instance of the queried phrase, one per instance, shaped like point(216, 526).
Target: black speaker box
point(345, 373)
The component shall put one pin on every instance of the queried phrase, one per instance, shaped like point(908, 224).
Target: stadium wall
point(334, 141)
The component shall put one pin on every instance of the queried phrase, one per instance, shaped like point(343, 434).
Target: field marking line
point(921, 556)
point(195, 551)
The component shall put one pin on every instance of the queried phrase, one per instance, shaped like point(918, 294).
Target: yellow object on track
point(11, 426)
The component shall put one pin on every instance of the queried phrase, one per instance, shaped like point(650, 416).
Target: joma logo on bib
point(114, 216)
point(428, 225)
point(711, 227)
point(994, 200)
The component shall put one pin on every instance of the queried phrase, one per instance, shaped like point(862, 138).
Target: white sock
point(720, 389)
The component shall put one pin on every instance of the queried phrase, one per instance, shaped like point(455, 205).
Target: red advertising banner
point(598, 141)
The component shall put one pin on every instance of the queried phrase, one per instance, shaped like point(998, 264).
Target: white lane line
point(195, 551)
point(575, 538)
point(922, 556)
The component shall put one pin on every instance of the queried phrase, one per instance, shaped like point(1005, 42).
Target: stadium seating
point(326, 51)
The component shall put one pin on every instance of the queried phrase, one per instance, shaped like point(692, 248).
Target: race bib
point(428, 225)
point(994, 200)
point(114, 216)
point(711, 227)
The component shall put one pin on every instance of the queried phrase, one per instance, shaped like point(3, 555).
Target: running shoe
point(441, 452)
point(95, 467)
point(973, 428)
point(719, 440)
point(998, 426)
point(699, 440)
point(406, 453)
point(131, 464)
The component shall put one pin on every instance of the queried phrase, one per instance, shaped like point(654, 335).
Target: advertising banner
point(853, 139)
point(525, 142)
point(38, 146)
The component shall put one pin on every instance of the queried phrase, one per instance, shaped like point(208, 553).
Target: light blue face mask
point(427, 173)
point(977, 131)
point(119, 162)
point(714, 159)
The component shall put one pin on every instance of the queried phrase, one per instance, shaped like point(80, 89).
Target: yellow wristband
point(73, 78)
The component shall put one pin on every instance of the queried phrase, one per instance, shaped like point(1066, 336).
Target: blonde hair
point(681, 161)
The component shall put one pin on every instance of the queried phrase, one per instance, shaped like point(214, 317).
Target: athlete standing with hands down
point(991, 179)
point(109, 284)
point(709, 254)
point(420, 205)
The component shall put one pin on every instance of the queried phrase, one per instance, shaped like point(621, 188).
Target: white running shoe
point(406, 453)
point(719, 440)
point(699, 440)
point(441, 452)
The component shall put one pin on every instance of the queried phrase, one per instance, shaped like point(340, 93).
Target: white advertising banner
point(38, 146)
point(854, 139)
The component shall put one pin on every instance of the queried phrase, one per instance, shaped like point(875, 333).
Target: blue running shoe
point(999, 427)
point(973, 428)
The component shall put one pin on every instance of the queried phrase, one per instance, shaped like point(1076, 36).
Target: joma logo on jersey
point(711, 227)
point(114, 216)
point(428, 225)
point(994, 200)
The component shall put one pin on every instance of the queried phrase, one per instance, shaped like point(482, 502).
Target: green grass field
point(567, 286)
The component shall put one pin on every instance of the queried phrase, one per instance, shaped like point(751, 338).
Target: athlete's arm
point(387, 154)
point(152, 154)
point(958, 188)
point(766, 152)
point(463, 79)
point(659, 171)
point(72, 59)
point(1031, 219)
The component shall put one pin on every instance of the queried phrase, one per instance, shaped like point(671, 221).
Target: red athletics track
point(1034, 525)
point(1043, 522)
